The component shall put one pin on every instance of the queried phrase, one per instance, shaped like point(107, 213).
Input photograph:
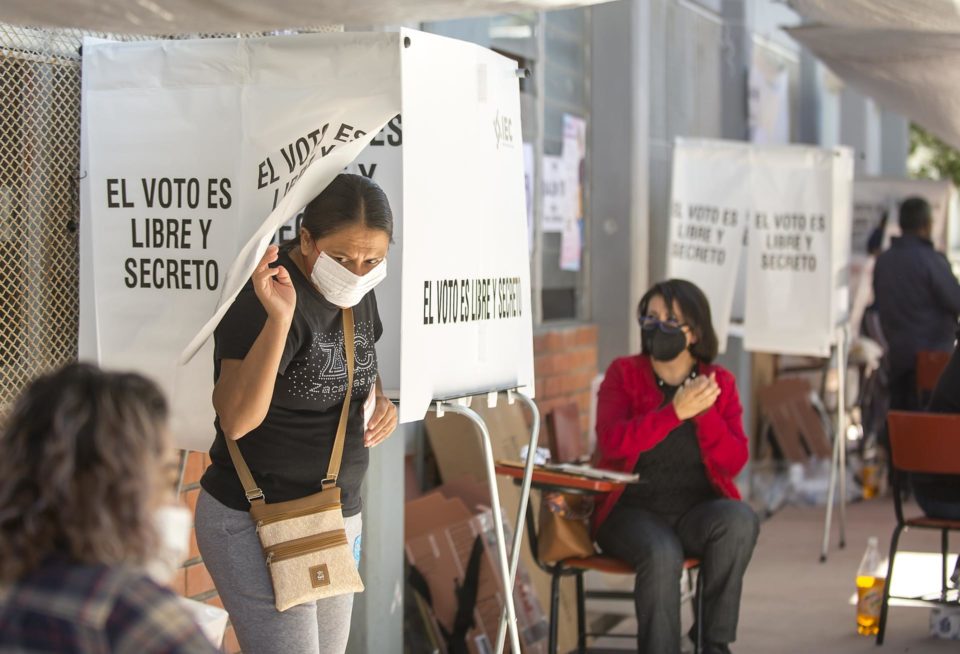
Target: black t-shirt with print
point(289, 452)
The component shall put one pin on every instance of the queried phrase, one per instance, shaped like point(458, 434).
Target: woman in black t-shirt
point(280, 371)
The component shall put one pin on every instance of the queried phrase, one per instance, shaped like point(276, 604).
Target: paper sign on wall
point(575, 155)
point(768, 101)
point(559, 193)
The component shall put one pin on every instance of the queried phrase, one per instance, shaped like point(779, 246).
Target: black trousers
point(903, 391)
point(720, 532)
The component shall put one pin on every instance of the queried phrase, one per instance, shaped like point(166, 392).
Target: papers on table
point(593, 473)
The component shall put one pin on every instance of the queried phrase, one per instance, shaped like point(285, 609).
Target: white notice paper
point(559, 193)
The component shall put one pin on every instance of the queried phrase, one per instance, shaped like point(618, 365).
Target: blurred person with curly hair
point(86, 475)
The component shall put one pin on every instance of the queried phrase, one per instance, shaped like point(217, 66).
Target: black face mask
point(663, 346)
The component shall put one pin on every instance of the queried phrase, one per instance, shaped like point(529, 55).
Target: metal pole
point(511, 614)
point(522, 511)
point(838, 461)
point(831, 493)
point(842, 428)
point(834, 463)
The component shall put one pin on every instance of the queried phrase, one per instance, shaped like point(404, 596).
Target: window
point(563, 289)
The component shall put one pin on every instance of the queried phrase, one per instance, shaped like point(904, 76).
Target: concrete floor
point(793, 604)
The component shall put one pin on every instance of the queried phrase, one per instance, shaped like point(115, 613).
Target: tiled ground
point(793, 604)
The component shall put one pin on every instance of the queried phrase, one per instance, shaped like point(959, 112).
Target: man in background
point(917, 300)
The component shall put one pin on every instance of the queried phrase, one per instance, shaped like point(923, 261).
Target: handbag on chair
point(304, 541)
point(564, 527)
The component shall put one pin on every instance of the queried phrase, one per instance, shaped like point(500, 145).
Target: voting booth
point(781, 212)
point(197, 154)
point(772, 222)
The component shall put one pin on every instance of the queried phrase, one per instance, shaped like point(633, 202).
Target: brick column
point(565, 363)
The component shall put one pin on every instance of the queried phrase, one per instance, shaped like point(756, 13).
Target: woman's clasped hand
point(696, 396)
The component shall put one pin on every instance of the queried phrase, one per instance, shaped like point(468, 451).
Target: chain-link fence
point(39, 199)
point(39, 202)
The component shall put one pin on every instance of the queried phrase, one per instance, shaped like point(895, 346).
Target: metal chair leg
point(698, 647)
point(886, 586)
point(554, 611)
point(581, 616)
point(944, 550)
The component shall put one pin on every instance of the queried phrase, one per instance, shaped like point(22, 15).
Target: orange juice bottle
point(871, 579)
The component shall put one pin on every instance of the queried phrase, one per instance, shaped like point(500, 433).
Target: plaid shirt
point(63, 607)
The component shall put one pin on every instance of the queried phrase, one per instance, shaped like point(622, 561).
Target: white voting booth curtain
point(793, 205)
point(799, 248)
point(710, 197)
point(197, 154)
point(466, 324)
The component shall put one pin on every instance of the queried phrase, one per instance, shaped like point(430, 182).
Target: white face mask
point(342, 287)
point(172, 523)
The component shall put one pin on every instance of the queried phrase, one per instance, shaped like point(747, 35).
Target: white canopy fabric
point(240, 16)
point(924, 15)
point(889, 50)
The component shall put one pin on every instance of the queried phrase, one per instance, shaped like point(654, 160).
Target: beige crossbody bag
point(304, 540)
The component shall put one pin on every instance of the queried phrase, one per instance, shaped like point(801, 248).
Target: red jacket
point(630, 422)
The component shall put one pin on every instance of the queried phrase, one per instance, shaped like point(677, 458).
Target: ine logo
point(319, 576)
point(503, 129)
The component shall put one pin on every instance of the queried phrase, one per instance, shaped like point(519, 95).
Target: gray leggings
point(231, 551)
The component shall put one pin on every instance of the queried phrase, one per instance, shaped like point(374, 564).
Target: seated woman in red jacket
point(675, 419)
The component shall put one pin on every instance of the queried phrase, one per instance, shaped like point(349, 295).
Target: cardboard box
point(440, 533)
point(533, 623)
point(455, 441)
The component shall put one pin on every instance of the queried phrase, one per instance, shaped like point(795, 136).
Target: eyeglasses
point(668, 326)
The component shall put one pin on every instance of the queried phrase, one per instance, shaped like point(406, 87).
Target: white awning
point(906, 56)
point(237, 16)
point(923, 15)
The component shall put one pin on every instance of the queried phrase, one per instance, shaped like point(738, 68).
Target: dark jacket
point(918, 301)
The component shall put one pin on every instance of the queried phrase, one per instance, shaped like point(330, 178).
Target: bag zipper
point(306, 545)
point(299, 513)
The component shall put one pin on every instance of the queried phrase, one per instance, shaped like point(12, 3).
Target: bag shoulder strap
point(253, 492)
point(333, 470)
